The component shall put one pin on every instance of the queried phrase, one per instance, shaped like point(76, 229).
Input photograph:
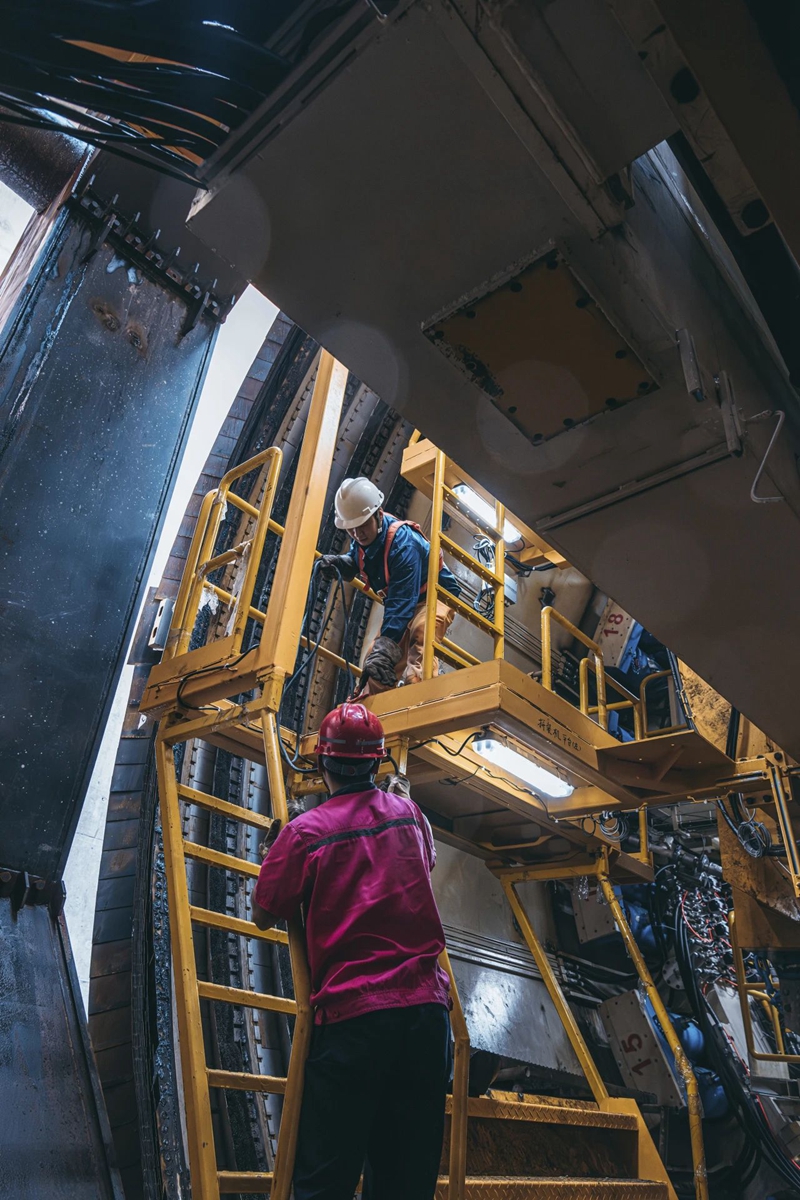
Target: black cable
point(205, 671)
point(311, 654)
point(453, 753)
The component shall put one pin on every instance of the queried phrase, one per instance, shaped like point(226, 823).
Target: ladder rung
point(215, 859)
point(223, 806)
point(452, 656)
point(238, 1081)
point(254, 1182)
point(468, 613)
point(244, 505)
point(231, 995)
point(204, 916)
point(470, 561)
point(470, 659)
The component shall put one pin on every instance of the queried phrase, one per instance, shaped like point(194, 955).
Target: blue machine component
point(690, 1036)
point(712, 1094)
point(639, 921)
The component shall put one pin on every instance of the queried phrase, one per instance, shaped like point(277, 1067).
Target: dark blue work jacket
point(408, 574)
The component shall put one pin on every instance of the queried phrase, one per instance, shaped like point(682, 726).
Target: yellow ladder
point(444, 496)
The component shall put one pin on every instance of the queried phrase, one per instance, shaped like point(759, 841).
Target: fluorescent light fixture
point(483, 509)
point(537, 778)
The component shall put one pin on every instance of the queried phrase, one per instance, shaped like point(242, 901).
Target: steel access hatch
point(542, 349)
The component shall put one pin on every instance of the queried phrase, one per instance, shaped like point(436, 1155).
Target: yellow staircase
point(518, 1148)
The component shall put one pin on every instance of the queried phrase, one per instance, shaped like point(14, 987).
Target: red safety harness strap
point(390, 532)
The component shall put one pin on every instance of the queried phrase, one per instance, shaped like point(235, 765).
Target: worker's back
point(360, 864)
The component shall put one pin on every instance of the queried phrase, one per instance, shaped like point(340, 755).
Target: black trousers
point(373, 1100)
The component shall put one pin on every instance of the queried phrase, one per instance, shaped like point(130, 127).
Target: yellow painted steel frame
point(278, 651)
point(638, 704)
point(755, 991)
point(200, 564)
point(693, 1103)
point(786, 827)
point(511, 876)
point(457, 1165)
point(643, 701)
point(435, 593)
point(549, 614)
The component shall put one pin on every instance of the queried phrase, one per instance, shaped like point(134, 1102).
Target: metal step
point(497, 1188)
point(543, 1110)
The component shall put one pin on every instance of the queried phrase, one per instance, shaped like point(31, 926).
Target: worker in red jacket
point(391, 556)
point(358, 866)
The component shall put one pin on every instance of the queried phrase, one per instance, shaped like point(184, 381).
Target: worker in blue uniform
point(391, 556)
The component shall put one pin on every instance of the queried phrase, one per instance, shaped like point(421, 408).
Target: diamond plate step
point(543, 1111)
point(495, 1188)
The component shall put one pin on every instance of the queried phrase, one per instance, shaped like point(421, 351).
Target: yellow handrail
point(200, 559)
point(550, 614)
point(673, 1041)
point(755, 991)
point(457, 1165)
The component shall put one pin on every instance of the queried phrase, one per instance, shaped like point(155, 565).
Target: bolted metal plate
point(642, 1054)
point(540, 346)
point(508, 1188)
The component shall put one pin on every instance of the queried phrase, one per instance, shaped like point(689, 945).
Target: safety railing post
point(784, 819)
point(547, 649)
point(565, 1014)
point(432, 595)
point(662, 1016)
point(301, 1037)
point(277, 650)
point(181, 626)
point(747, 992)
point(202, 1159)
point(457, 1163)
point(499, 614)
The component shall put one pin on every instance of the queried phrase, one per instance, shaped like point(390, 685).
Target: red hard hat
point(351, 731)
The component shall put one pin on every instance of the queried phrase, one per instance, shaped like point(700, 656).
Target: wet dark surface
point(51, 1139)
point(97, 387)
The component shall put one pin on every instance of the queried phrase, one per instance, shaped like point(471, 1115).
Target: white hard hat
point(356, 501)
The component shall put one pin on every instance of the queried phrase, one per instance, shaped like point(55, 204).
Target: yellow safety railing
point(786, 826)
point(643, 698)
point(510, 878)
point(593, 661)
point(755, 991)
point(198, 567)
point(201, 562)
point(494, 576)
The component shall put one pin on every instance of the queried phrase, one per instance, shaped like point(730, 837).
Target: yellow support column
point(681, 1061)
point(202, 1159)
point(287, 602)
point(457, 1166)
point(301, 1038)
point(499, 615)
point(431, 595)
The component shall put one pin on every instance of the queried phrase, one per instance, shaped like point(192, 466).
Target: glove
point(269, 838)
point(398, 784)
point(381, 661)
point(332, 565)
